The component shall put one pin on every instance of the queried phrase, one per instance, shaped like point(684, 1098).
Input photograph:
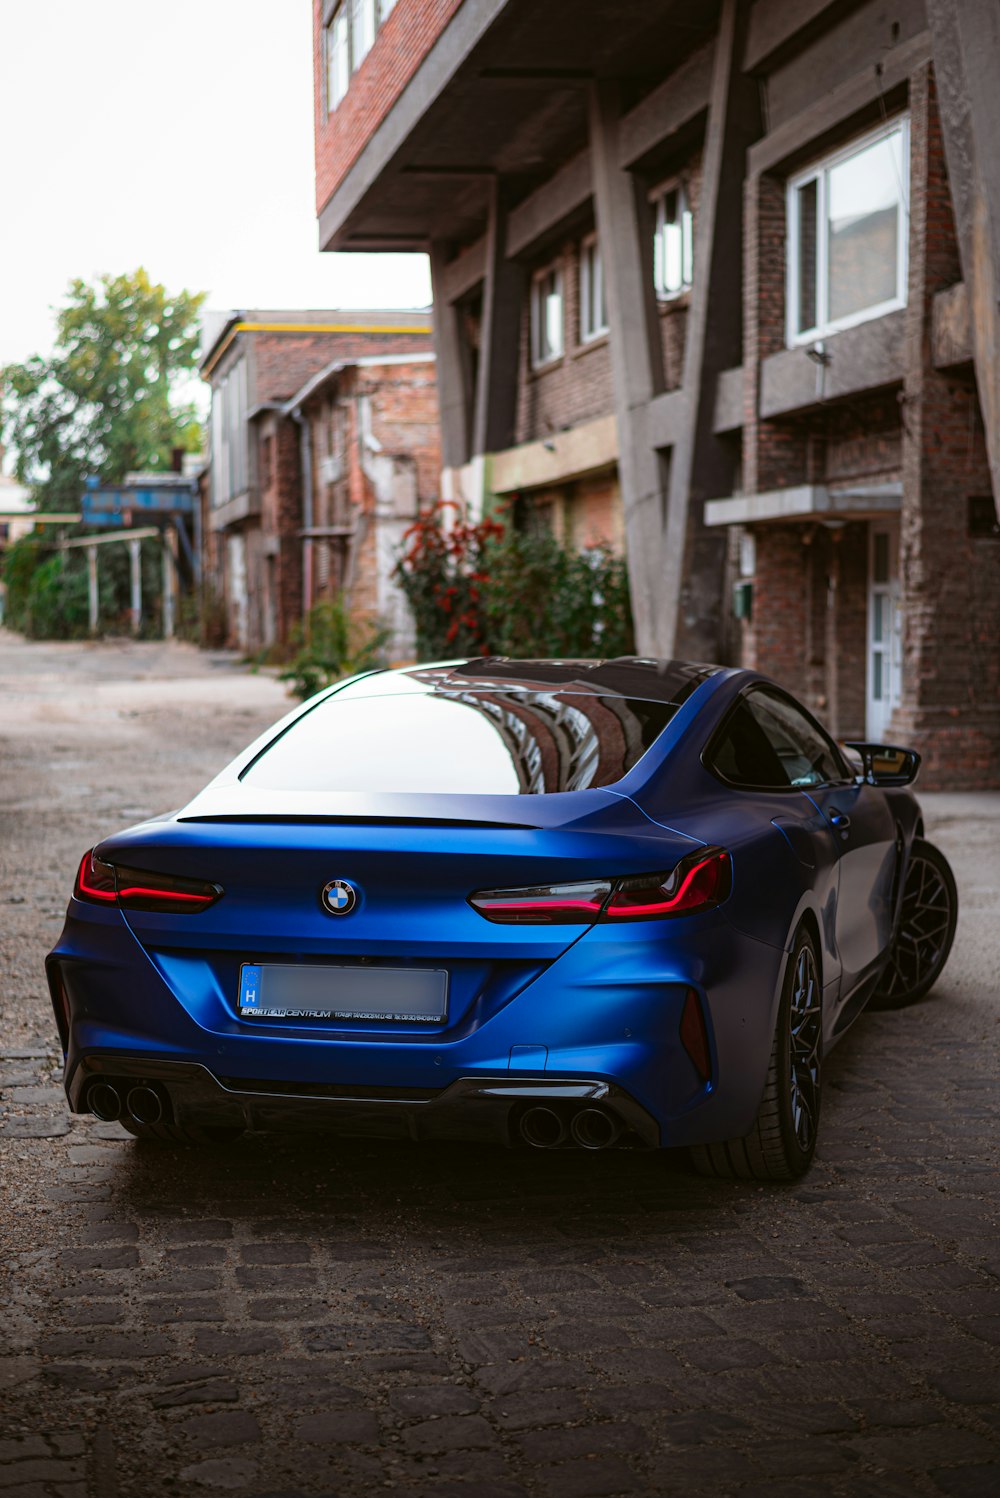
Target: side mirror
point(885, 764)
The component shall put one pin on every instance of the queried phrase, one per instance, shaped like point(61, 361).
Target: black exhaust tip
point(104, 1101)
point(144, 1104)
point(593, 1129)
point(543, 1128)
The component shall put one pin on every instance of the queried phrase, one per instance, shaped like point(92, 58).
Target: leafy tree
point(104, 401)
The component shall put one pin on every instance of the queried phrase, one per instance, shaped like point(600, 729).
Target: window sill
point(549, 365)
point(675, 302)
point(587, 345)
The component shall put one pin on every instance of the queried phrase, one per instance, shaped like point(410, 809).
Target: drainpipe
point(305, 454)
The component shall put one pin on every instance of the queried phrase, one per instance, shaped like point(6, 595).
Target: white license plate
point(379, 995)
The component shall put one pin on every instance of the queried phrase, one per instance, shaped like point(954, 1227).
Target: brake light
point(95, 881)
point(139, 889)
point(699, 882)
point(545, 904)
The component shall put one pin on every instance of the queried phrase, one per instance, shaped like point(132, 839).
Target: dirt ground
point(295, 1315)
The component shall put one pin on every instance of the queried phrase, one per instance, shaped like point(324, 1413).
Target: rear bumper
point(484, 1109)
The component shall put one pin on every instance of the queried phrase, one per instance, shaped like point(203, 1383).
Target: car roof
point(622, 676)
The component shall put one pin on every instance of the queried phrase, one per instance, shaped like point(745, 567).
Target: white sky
point(178, 137)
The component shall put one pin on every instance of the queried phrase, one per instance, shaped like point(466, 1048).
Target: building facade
point(323, 441)
point(718, 282)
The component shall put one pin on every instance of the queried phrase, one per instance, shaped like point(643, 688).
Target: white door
point(885, 631)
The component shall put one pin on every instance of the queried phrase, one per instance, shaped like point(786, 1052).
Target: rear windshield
point(495, 742)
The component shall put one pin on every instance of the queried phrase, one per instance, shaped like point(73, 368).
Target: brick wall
point(951, 583)
point(774, 641)
point(285, 361)
point(574, 388)
point(400, 47)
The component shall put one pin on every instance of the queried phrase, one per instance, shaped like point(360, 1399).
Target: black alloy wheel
point(781, 1144)
point(925, 929)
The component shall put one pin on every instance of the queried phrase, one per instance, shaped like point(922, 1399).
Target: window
point(673, 245)
point(593, 311)
point(847, 223)
point(768, 742)
point(350, 36)
point(338, 64)
point(546, 316)
point(229, 435)
point(501, 741)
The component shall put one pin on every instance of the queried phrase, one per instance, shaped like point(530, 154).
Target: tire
point(179, 1134)
point(925, 929)
point(781, 1144)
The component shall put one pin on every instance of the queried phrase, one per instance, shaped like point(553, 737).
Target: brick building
point(704, 279)
point(324, 441)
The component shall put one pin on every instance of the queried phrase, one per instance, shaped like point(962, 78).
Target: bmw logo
point(339, 897)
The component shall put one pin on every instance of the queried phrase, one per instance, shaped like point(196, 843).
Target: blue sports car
point(555, 903)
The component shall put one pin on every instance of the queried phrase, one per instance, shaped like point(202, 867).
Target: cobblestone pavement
point(296, 1315)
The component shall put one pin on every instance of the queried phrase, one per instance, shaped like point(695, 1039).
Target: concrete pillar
point(135, 579)
point(169, 584)
point(500, 334)
point(625, 232)
point(703, 466)
point(965, 37)
point(454, 368)
point(92, 593)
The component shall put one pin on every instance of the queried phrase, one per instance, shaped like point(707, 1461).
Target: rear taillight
point(139, 889)
point(699, 882)
point(545, 904)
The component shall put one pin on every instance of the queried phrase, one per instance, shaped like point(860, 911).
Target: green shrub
point(47, 589)
point(492, 589)
point(331, 644)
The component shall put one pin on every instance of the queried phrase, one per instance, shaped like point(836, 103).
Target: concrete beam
point(626, 237)
point(867, 357)
point(966, 48)
point(690, 618)
point(775, 23)
point(566, 455)
point(463, 274)
point(500, 336)
point(951, 333)
point(454, 369)
point(673, 104)
point(805, 502)
point(566, 191)
point(728, 413)
point(833, 109)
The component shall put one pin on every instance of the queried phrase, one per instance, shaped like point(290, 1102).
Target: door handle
point(839, 820)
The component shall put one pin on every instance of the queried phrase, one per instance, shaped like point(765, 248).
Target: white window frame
point(542, 352)
point(339, 22)
point(818, 171)
point(360, 22)
point(685, 218)
point(592, 292)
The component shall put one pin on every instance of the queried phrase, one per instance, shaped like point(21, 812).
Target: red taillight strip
point(542, 907)
point(675, 902)
point(91, 891)
point(139, 892)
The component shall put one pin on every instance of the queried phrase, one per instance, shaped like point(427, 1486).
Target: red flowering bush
point(488, 588)
point(442, 573)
